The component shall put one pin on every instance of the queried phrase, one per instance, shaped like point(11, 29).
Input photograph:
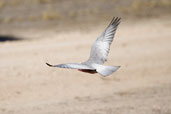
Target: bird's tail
point(105, 70)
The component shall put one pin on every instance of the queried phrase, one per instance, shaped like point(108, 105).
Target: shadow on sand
point(4, 38)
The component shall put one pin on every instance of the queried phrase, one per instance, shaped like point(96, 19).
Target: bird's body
point(98, 54)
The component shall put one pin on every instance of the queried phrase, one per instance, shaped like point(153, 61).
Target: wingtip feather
point(115, 21)
point(49, 64)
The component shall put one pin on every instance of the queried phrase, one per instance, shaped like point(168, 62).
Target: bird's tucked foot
point(88, 71)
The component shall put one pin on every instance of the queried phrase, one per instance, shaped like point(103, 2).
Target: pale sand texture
point(141, 86)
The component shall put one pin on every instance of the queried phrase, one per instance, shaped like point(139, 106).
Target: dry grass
point(75, 10)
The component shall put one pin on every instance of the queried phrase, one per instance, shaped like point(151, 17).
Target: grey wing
point(72, 66)
point(101, 47)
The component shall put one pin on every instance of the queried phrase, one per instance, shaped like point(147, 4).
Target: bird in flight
point(98, 54)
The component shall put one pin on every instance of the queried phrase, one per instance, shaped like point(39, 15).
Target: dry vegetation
point(31, 12)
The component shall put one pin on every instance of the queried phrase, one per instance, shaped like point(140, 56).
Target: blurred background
point(28, 13)
point(33, 32)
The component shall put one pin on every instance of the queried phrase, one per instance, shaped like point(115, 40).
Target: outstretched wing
point(72, 66)
point(101, 47)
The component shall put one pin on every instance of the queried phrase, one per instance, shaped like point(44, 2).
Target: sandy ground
point(141, 86)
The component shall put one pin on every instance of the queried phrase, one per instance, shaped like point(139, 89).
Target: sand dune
point(142, 84)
